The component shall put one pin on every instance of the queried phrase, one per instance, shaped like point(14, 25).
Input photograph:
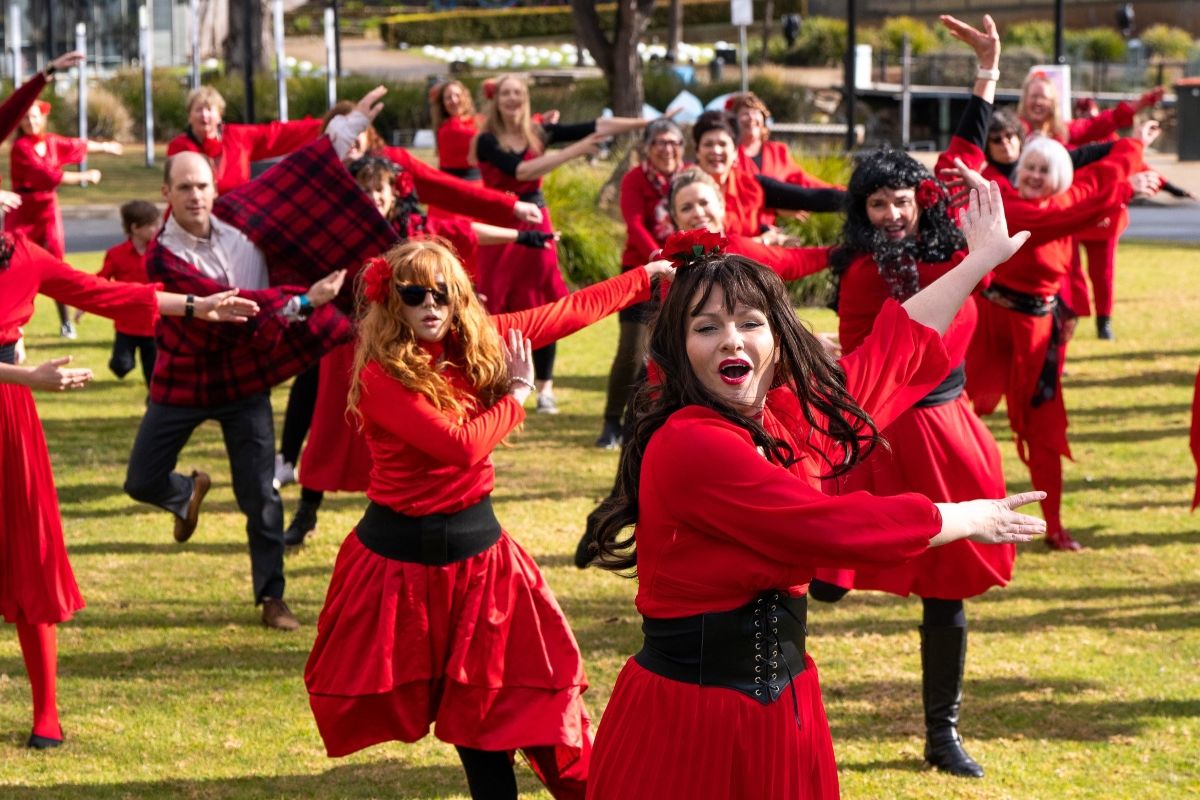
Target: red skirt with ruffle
point(36, 581)
point(478, 649)
point(514, 277)
point(664, 738)
point(336, 457)
point(945, 453)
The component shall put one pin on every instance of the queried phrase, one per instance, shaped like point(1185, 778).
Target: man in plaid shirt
point(303, 222)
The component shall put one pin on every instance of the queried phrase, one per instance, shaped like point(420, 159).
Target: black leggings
point(543, 362)
point(302, 399)
point(490, 774)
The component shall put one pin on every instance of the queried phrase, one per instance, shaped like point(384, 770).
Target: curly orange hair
point(472, 342)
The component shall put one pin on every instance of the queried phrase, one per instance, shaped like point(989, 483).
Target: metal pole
point(81, 46)
point(337, 35)
point(743, 47)
point(146, 53)
point(851, 35)
point(331, 61)
point(280, 66)
point(248, 57)
point(49, 51)
point(194, 16)
point(1059, 56)
point(906, 93)
point(14, 24)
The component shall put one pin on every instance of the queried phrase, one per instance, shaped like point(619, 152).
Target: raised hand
point(589, 145)
point(527, 212)
point(518, 354)
point(986, 229)
point(370, 105)
point(68, 60)
point(50, 376)
point(225, 307)
point(660, 269)
point(326, 289)
point(990, 521)
point(1150, 98)
point(985, 43)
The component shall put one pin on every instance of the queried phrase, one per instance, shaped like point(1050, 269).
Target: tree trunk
point(234, 49)
point(768, 12)
point(618, 57)
point(674, 31)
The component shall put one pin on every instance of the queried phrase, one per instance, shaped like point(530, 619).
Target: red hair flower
point(489, 89)
point(404, 184)
point(731, 101)
point(377, 279)
point(685, 248)
point(929, 193)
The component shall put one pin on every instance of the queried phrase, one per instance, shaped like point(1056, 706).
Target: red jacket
point(238, 145)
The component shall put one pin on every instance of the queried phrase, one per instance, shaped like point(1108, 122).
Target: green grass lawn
point(1083, 675)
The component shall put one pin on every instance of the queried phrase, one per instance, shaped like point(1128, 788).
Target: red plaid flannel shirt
point(309, 218)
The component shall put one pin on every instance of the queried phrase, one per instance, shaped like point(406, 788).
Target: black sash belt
point(1034, 305)
point(466, 173)
point(434, 540)
point(757, 649)
point(1037, 306)
point(947, 391)
point(535, 197)
point(8, 353)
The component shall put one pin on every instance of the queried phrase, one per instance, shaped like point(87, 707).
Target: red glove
point(1150, 98)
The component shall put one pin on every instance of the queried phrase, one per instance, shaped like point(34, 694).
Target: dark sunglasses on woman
point(412, 294)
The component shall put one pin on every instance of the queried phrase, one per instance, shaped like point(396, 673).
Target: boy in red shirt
point(127, 262)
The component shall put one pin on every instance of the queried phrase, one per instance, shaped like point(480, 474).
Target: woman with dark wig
point(722, 481)
point(898, 238)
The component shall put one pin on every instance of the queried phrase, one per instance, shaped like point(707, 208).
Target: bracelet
point(50, 70)
point(522, 381)
point(985, 74)
point(306, 306)
point(189, 306)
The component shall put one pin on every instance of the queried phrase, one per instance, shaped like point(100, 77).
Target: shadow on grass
point(1002, 708)
point(1137, 380)
point(1137, 355)
point(372, 780)
point(156, 548)
point(1130, 435)
point(584, 383)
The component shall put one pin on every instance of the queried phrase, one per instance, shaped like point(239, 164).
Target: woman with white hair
point(1017, 347)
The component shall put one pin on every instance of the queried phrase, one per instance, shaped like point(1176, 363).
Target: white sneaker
point(546, 404)
point(285, 472)
point(67, 330)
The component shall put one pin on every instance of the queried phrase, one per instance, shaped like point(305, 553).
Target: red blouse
point(647, 220)
point(38, 176)
point(454, 142)
point(790, 263)
point(33, 271)
point(744, 202)
point(425, 461)
point(719, 523)
point(239, 145)
point(124, 263)
point(436, 188)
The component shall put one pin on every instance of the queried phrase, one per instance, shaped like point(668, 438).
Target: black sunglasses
point(412, 294)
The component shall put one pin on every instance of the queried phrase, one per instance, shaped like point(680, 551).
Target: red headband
point(685, 248)
point(44, 107)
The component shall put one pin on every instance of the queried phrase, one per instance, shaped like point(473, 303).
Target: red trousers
point(1101, 268)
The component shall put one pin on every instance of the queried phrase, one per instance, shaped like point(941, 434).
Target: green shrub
point(1095, 44)
point(922, 39)
point(1167, 43)
point(1037, 35)
point(169, 91)
point(590, 247)
point(822, 42)
point(108, 117)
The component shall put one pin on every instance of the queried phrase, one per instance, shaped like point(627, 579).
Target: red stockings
point(39, 647)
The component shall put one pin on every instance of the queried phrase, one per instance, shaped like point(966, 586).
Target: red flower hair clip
point(377, 279)
point(731, 101)
point(404, 184)
point(929, 193)
point(489, 89)
point(684, 248)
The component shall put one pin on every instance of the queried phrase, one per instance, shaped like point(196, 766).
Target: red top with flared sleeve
point(124, 263)
point(436, 188)
point(454, 142)
point(33, 271)
point(647, 219)
point(718, 523)
point(16, 104)
point(238, 145)
point(37, 176)
point(426, 461)
point(744, 202)
point(1039, 266)
point(777, 163)
point(1099, 128)
point(790, 263)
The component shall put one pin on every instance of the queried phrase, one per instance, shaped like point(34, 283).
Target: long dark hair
point(937, 237)
point(804, 367)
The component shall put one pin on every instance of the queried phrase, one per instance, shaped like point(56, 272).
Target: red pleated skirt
point(661, 738)
point(336, 457)
point(513, 277)
point(945, 453)
point(36, 581)
point(479, 650)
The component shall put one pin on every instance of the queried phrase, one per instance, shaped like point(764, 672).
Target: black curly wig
point(937, 237)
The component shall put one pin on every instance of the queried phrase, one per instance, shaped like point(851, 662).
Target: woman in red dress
point(455, 123)
point(435, 615)
point(513, 153)
point(37, 160)
point(723, 485)
point(231, 147)
point(37, 587)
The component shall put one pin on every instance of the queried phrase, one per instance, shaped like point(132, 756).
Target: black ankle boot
point(943, 654)
point(1104, 329)
point(302, 524)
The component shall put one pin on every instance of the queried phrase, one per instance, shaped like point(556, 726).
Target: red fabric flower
point(377, 279)
point(929, 193)
point(489, 89)
point(687, 247)
point(731, 101)
point(404, 184)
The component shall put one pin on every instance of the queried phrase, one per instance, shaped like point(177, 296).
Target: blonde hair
point(494, 124)
point(471, 342)
point(437, 109)
point(207, 95)
point(1053, 125)
point(688, 177)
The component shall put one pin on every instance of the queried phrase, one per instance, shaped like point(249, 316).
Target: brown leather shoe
point(184, 528)
point(277, 615)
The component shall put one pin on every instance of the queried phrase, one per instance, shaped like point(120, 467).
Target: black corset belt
point(947, 391)
point(757, 649)
point(535, 197)
point(465, 173)
point(434, 540)
point(8, 353)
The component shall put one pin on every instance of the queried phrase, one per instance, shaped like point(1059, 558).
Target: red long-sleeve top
point(1099, 128)
point(13, 109)
point(426, 461)
point(436, 188)
point(454, 142)
point(744, 203)
point(790, 263)
point(124, 263)
point(718, 523)
point(34, 271)
point(647, 218)
point(776, 162)
point(238, 145)
point(1039, 266)
point(36, 177)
